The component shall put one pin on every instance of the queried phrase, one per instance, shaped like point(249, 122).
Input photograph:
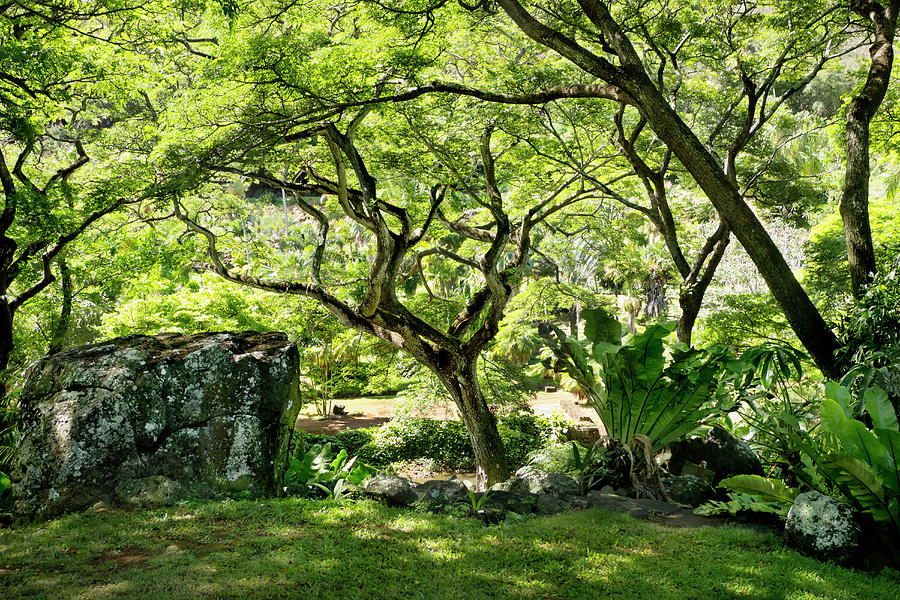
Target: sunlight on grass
point(296, 548)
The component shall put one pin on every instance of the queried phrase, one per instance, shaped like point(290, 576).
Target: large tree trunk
point(631, 77)
point(490, 457)
point(801, 313)
point(855, 197)
point(690, 308)
point(6, 348)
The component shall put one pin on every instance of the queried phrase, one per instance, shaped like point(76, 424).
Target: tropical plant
point(317, 469)
point(589, 465)
point(5, 489)
point(634, 391)
point(865, 462)
point(778, 411)
point(644, 403)
point(752, 493)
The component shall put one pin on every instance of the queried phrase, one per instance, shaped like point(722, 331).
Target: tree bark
point(854, 206)
point(631, 76)
point(6, 339)
point(490, 458)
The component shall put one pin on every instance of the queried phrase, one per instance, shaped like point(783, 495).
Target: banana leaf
point(889, 470)
point(853, 435)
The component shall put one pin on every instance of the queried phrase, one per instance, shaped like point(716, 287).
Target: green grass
point(293, 548)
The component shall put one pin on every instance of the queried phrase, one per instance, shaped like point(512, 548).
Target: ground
point(371, 412)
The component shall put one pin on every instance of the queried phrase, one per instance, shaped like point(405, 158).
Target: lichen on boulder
point(211, 412)
point(820, 526)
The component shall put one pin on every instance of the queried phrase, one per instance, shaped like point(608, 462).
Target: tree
point(491, 239)
point(854, 206)
point(629, 77)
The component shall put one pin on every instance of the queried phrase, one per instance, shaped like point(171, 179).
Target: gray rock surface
point(394, 490)
point(212, 412)
point(688, 489)
point(820, 526)
point(536, 481)
point(445, 490)
point(719, 452)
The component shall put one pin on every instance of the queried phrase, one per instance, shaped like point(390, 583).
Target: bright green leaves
point(867, 466)
point(637, 392)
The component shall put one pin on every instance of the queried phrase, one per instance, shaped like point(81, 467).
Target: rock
point(539, 482)
point(151, 491)
point(513, 501)
point(688, 489)
point(213, 412)
point(394, 490)
point(719, 452)
point(447, 490)
point(505, 486)
point(820, 526)
point(548, 504)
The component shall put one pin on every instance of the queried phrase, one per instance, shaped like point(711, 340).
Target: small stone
point(172, 548)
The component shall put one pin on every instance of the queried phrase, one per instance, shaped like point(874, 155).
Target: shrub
point(447, 442)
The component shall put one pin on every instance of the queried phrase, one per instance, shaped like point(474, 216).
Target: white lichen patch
point(245, 446)
point(823, 521)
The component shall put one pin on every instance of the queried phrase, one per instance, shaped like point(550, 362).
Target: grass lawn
point(292, 548)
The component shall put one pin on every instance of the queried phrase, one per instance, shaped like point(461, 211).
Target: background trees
point(411, 168)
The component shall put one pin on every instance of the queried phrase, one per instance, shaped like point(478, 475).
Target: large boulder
point(820, 526)
point(720, 452)
point(210, 412)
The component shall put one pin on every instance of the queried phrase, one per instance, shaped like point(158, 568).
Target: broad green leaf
point(5, 486)
point(598, 349)
point(839, 394)
point(600, 326)
point(860, 480)
point(889, 470)
point(760, 486)
point(880, 409)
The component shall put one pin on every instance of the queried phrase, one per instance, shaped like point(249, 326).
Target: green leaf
point(839, 394)
point(880, 409)
point(5, 486)
point(764, 487)
point(889, 470)
point(600, 326)
point(863, 485)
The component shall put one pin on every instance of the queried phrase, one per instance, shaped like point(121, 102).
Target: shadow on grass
point(297, 549)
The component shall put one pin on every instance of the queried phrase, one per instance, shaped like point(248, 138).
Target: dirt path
point(372, 412)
